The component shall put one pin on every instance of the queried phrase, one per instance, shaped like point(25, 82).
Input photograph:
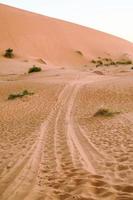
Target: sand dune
point(52, 145)
point(55, 41)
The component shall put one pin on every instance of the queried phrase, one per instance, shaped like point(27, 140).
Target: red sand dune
point(54, 40)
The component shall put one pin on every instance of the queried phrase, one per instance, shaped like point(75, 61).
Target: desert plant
point(19, 95)
point(124, 62)
point(107, 59)
point(112, 63)
point(93, 61)
point(128, 62)
point(9, 53)
point(99, 62)
point(105, 112)
point(34, 69)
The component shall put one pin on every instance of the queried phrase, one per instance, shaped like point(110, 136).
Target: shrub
point(131, 67)
point(129, 62)
point(107, 59)
point(9, 53)
point(34, 69)
point(124, 62)
point(112, 63)
point(99, 62)
point(93, 61)
point(19, 95)
point(105, 112)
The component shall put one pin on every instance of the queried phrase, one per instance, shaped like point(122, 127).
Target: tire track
point(60, 137)
point(73, 134)
point(61, 148)
point(25, 171)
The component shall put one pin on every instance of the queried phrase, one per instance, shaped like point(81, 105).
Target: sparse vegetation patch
point(94, 61)
point(9, 53)
point(124, 62)
point(19, 95)
point(108, 61)
point(34, 69)
point(105, 112)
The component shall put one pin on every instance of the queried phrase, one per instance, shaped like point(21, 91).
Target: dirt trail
point(52, 146)
point(63, 163)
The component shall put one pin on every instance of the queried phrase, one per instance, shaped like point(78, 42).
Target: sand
point(56, 42)
point(52, 146)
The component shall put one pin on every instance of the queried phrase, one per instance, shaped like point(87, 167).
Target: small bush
point(100, 62)
point(19, 95)
point(131, 67)
point(9, 53)
point(34, 69)
point(112, 63)
point(128, 62)
point(106, 59)
point(93, 61)
point(105, 112)
point(124, 62)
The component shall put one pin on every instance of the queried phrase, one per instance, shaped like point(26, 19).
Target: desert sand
point(52, 145)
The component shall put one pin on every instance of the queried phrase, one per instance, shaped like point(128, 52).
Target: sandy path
point(68, 159)
point(51, 153)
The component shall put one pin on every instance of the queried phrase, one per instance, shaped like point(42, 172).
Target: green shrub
point(105, 112)
point(34, 69)
point(19, 95)
point(9, 53)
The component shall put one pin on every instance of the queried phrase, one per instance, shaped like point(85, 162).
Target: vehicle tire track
point(60, 150)
point(25, 171)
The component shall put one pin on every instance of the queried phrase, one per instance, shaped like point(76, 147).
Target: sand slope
point(55, 41)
